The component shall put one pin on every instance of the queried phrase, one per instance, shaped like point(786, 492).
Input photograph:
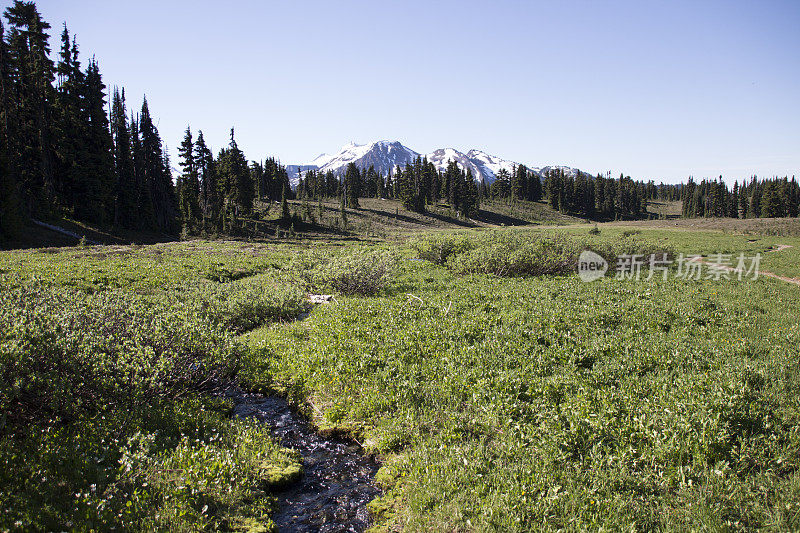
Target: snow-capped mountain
point(568, 171)
point(482, 165)
point(441, 157)
point(386, 156)
point(490, 165)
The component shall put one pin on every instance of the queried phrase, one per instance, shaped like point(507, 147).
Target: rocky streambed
point(337, 480)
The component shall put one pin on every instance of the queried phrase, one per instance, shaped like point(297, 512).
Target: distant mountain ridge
point(386, 156)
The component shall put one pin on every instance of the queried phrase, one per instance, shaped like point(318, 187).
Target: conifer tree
point(206, 173)
point(352, 181)
point(743, 202)
point(501, 187)
point(10, 208)
point(95, 185)
point(188, 182)
point(235, 185)
point(125, 196)
point(534, 188)
point(32, 151)
point(69, 123)
point(285, 214)
point(470, 196)
point(519, 182)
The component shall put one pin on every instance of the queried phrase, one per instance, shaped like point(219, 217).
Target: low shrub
point(62, 350)
point(245, 305)
point(219, 484)
point(439, 248)
point(525, 253)
point(513, 258)
point(361, 273)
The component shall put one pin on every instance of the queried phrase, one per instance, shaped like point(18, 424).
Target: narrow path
point(59, 229)
point(795, 281)
point(778, 248)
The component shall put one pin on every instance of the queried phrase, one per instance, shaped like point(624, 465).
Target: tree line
point(215, 194)
point(61, 152)
point(766, 198)
point(67, 152)
point(417, 185)
point(421, 184)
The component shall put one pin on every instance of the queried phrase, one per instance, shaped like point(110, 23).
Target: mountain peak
point(386, 155)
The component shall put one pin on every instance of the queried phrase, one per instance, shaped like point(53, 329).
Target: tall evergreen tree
point(31, 150)
point(352, 182)
point(209, 190)
point(534, 188)
point(188, 183)
point(234, 184)
point(10, 209)
point(125, 212)
point(69, 124)
point(95, 186)
point(157, 176)
point(519, 183)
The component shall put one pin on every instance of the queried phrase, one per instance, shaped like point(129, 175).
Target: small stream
point(337, 481)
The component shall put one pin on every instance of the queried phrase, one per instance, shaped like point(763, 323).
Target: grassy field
point(665, 209)
point(500, 392)
point(779, 254)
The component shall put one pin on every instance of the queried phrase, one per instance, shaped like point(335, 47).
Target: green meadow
point(498, 390)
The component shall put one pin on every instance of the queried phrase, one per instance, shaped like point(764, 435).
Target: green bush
point(439, 248)
point(62, 350)
point(514, 256)
point(244, 305)
point(362, 273)
point(526, 253)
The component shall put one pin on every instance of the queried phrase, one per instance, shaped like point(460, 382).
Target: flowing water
point(337, 481)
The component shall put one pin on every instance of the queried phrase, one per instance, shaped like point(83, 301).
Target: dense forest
point(61, 152)
point(66, 152)
point(71, 149)
point(768, 198)
point(415, 186)
point(420, 184)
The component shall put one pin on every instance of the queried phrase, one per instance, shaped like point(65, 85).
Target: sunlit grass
point(496, 403)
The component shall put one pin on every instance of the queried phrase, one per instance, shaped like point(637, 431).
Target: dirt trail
point(778, 248)
point(795, 281)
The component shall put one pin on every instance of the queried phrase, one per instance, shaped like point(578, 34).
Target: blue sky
point(657, 90)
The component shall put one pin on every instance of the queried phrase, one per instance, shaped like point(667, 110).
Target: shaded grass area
point(310, 220)
point(107, 363)
point(35, 236)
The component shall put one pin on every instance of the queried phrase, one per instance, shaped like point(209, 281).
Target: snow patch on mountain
point(386, 156)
